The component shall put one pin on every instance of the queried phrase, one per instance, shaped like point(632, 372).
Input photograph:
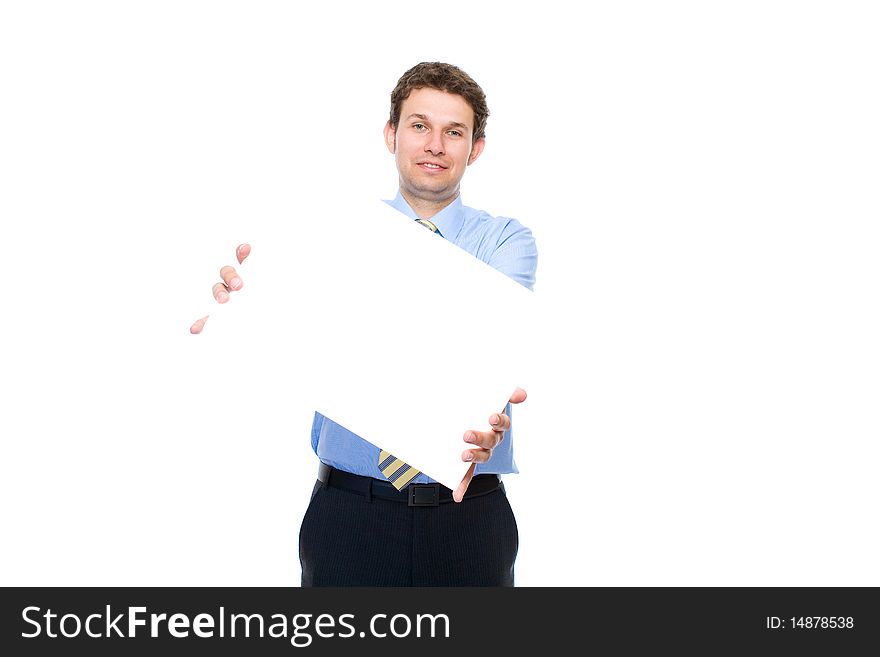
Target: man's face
point(433, 144)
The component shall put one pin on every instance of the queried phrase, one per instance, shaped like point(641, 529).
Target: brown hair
point(443, 77)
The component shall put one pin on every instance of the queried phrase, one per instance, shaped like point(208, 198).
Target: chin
point(433, 193)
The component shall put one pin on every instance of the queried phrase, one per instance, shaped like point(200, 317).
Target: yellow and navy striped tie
point(395, 470)
point(428, 224)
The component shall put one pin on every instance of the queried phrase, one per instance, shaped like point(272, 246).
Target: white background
point(701, 179)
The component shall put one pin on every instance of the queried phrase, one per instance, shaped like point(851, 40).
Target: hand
point(485, 442)
point(231, 282)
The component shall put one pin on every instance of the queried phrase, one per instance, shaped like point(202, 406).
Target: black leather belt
point(412, 494)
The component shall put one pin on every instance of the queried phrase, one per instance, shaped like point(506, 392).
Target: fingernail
point(470, 438)
point(468, 456)
point(235, 283)
point(222, 297)
point(494, 420)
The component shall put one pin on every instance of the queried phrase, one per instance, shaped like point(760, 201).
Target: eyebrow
point(452, 124)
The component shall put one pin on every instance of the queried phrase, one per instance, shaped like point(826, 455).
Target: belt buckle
point(424, 494)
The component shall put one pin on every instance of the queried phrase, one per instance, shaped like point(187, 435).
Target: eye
point(454, 133)
point(419, 127)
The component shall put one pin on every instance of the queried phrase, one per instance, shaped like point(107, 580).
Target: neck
point(426, 208)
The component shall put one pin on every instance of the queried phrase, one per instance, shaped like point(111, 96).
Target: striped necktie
point(395, 470)
point(428, 224)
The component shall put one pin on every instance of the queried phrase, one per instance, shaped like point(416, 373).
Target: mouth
point(431, 166)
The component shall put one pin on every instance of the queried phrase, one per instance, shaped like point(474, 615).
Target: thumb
point(458, 493)
point(242, 252)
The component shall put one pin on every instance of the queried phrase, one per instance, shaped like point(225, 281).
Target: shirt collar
point(448, 221)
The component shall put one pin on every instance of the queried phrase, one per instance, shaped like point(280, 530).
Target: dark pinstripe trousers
point(348, 539)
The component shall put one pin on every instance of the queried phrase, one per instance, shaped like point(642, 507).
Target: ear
point(390, 137)
point(476, 149)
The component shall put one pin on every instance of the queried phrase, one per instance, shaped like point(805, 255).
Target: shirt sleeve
point(516, 253)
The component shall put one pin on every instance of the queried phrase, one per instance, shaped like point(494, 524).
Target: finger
point(519, 396)
point(242, 252)
point(196, 328)
point(458, 493)
point(484, 439)
point(476, 455)
point(220, 293)
point(230, 278)
point(499, 422)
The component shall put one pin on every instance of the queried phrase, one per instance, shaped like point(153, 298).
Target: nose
point(434, 144)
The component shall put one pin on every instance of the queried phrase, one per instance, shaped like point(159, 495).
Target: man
point(359, 530)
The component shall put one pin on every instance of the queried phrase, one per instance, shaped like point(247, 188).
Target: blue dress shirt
point(503, 243)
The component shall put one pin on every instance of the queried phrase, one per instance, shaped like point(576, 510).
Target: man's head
point(443, 77)
point(436, 129)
